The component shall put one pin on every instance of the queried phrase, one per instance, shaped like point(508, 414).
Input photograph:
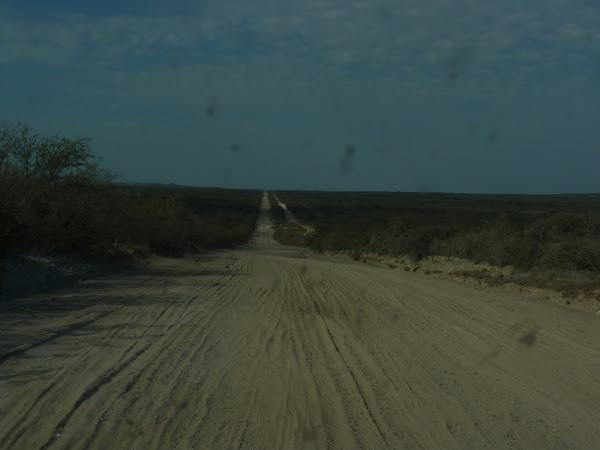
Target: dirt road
point(264, 348)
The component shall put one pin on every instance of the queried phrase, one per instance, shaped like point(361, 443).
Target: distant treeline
point(54, 197)
point(546, 232)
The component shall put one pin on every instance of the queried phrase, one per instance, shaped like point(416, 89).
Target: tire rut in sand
point(347, 367)
point(56, 335)
point(197, 301)
point(90, 392)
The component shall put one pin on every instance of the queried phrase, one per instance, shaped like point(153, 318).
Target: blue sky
point(469, 95)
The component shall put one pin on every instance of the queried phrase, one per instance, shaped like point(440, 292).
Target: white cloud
point(307, 40)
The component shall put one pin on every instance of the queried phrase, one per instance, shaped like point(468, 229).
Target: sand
point(271, 347)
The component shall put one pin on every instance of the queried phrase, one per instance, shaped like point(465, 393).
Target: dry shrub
point(55, 198)
point(551, 232)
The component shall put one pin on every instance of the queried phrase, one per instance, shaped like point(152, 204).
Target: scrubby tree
point(27, 155)
point(35, 172)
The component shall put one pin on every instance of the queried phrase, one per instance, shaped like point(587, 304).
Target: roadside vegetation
point(554, 240)
point(55, 197)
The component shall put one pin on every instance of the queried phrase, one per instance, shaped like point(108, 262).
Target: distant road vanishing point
point(272, 347)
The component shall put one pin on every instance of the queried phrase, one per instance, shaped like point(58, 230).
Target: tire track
point(157, 361)
point(92, 390)
point(352, 374)
point(56, 335)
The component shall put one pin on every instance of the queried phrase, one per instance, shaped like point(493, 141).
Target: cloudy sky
point(464, 95)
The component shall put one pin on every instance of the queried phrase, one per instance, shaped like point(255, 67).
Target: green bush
point(55, 198)
point(559, 232)
point(588, 256)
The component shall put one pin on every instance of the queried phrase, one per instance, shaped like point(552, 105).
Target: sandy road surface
point(262, 348)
